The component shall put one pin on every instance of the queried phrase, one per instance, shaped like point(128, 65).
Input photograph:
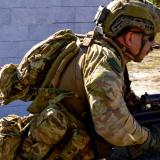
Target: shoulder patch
point(114, 65)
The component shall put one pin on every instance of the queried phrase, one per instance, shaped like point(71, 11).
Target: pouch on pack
point(11, 128)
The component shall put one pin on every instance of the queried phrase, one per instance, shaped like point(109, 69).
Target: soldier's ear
point(128, 39)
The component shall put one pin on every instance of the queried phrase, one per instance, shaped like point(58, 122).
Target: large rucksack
point(43, 62)
point(53, 132)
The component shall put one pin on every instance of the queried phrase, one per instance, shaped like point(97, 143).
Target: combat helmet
point(120, 14)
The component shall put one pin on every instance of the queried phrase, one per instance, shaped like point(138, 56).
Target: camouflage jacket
point(96, 75)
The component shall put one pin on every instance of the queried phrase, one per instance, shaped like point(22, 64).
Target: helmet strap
point(137, 57)
point(126, 51)
point(128, 54)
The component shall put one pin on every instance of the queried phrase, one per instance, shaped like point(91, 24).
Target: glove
point(153, 142)
point(133, 102)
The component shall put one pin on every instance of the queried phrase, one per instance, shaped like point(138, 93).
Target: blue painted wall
point(23, 23)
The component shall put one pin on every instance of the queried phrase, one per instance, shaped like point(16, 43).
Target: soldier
point(98, 78)
point(128, 31)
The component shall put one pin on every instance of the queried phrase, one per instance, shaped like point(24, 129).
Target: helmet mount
point(101, 14)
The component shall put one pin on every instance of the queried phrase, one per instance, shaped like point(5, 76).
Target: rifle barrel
point(153, 99)
point(148, 117)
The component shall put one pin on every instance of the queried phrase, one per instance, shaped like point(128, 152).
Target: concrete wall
point(23, 23)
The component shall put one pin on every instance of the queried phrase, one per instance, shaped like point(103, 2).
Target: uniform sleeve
point(104, 90)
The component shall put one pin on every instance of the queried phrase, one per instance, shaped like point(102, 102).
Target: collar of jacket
point(96, 36)
point(118, 51)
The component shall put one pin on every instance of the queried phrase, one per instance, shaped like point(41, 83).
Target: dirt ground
point(145, 77)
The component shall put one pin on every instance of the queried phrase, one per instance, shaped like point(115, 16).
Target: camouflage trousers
point(53, 134)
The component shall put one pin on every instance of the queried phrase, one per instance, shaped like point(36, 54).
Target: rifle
point(149, 112)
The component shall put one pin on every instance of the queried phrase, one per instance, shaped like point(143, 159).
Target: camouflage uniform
point(102, 70)
point(104, 83)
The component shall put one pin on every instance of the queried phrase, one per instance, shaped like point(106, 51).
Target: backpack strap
point(85, 39)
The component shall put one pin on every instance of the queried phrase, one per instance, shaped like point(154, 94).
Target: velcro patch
point(114, 65)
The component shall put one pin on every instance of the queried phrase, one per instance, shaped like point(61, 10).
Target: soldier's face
point(137, 45)
point(147, 47)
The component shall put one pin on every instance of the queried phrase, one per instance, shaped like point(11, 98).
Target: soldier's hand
point(153, 142)
point(134, 152)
